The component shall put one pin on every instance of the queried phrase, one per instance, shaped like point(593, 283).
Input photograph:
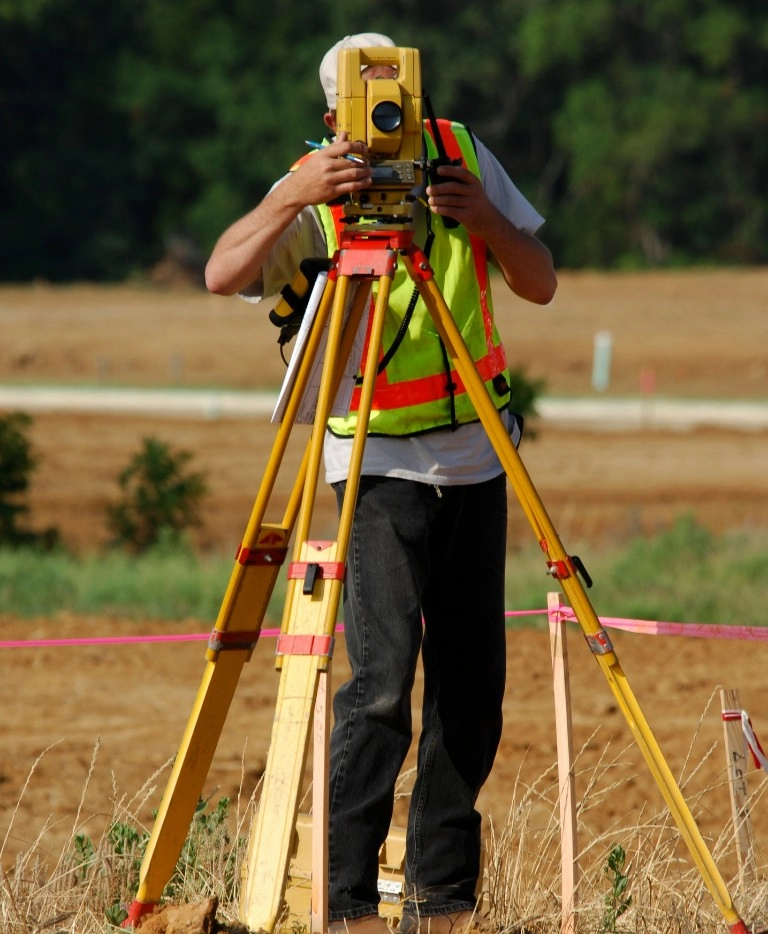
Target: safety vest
point(418, 391)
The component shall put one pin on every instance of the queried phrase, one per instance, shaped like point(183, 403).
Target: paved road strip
point(596, 413)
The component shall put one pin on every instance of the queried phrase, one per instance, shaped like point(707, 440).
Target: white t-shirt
point(445, 457)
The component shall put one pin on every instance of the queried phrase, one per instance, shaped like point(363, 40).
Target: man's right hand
point(242, 249)
point(330, 173)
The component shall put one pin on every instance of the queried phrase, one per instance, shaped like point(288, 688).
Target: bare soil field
point(698, 334)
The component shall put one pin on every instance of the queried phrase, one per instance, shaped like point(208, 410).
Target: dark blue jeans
point(418, 551)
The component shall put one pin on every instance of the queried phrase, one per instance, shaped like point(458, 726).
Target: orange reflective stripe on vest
point(453, 151)
point(428, 388)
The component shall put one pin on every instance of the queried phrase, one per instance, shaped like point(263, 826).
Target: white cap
point(329, 64)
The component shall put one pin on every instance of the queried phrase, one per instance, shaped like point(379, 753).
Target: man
point(425, 569)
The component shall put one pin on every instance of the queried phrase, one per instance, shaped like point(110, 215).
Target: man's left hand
point(461, 196)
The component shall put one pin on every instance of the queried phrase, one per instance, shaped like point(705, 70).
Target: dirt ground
point(86, 728)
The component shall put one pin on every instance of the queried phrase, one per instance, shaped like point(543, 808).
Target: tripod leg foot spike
point(136, 912)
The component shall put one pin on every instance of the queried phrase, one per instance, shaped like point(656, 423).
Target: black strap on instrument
point(442, 158)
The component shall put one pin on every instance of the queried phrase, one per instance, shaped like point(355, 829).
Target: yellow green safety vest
point(417, 391)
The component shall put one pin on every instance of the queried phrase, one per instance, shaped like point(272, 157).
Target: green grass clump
point(684, 574)
point(163, 583)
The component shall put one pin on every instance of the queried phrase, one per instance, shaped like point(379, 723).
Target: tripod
point(367, 253)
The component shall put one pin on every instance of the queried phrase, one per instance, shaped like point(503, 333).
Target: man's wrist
point(286, 201)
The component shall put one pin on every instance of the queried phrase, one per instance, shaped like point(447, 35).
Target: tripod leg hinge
point(561, 570)
point(220, 640)
point(599, 642)
point(288, 644)
point(261, 556)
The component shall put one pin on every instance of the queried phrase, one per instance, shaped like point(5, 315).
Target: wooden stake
point(736, 754)
point(567, 780)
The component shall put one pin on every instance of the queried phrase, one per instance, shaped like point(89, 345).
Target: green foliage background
point(637, 127)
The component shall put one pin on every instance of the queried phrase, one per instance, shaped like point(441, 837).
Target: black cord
point(403, 329)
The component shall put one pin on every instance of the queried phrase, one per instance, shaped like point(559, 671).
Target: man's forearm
point(242, 249)
point(524, 261)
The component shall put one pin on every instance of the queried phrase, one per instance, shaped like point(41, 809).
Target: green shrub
point(17, 462)
point(160, 499)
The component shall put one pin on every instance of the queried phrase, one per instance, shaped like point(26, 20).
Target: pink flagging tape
point(692, 630)
point(655, 628)
point(114, 640)
point(758, 756)
point(649, 627)
point(185, 637)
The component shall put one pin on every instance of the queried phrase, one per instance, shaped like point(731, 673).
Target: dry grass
point(670, 324)
point(667, 894)
point(92, 882)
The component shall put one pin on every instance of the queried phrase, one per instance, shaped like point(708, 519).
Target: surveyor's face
point(369, 73)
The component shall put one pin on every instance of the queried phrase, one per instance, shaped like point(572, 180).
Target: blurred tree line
point(637, 127)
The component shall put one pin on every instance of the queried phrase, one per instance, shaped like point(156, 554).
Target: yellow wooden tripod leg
point(309, 615)
point(304, 647)
point(562, 567)
point(304, 651)
point(237, 628)
point(230, 646)
point(244, 605)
